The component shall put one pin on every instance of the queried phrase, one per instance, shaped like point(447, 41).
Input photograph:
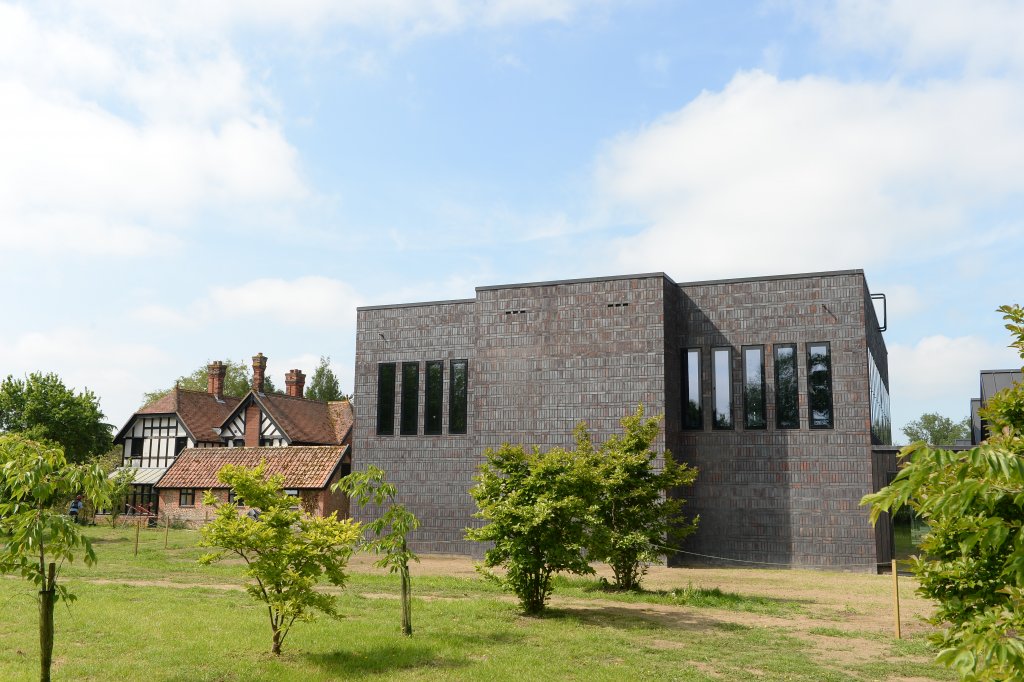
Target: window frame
point(455, 402)
point(385, 406)
point(831, 388)
point(698, 423)
point(715, 389)
point(188, 494)
point(409, 403)
point(433, 419)
point(778, 385)
point(764, 389)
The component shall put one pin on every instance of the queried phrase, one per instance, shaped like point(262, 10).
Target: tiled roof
point(200, 411)
point(302, 466)
point(342, 418)
point(304, 421)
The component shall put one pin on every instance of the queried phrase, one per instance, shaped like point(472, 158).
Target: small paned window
point(753, 388)
point(819, 385)
point(386, 399)
point(693, 417)
point(187, 497)
point(457, 396)
point(410, 398)
point(238, 442)
point(434, 398)
point(721, 387)
point(136, 448)
point(787, 405)
point(179, 444)
point(234, 499)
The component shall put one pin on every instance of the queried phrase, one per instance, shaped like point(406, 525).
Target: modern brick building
point(776, 388)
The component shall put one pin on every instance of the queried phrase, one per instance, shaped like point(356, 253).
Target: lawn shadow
point(633, 618)
point(407, 654)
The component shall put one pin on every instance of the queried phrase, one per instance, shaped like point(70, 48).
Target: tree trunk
point(276, 648)
point(406, 601)
point(46, 599)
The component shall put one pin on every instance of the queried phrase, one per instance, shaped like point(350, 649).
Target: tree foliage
point(390, 529)
point(41, 407)
point(934, 429)
point(36, 485)
point(287, 553)
point(323, 385)
point(237, 382)
point(973, 556)
point(637, 508)
point(536, 505)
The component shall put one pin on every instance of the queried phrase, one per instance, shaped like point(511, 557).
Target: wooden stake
point(167, 530)
point(896, 598)
point(138, 529)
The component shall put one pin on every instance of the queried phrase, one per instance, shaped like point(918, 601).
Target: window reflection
point(819, 385)
point(722, 387)
point(787, 406)
point(753, 387)
point(692, 416)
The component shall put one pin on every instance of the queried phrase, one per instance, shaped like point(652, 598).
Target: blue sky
point(187, 181)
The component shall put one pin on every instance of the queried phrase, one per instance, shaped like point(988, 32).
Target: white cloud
point(117, 371)
point(774, 175)
point(311, 302)
point(943, 371)
point(981, 36)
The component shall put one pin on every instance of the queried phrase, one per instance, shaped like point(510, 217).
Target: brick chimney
point(215, 373)
point(294, 383)
point(259, 371)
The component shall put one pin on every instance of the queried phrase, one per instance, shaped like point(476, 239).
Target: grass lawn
point(161, 616)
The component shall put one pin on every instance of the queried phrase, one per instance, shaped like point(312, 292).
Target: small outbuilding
point(308, 471)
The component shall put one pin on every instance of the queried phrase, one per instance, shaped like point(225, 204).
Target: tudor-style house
point(185, 423)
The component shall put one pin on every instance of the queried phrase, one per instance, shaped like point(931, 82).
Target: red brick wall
point(252, 426)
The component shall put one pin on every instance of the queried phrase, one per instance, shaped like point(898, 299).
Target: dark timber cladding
point(763, 383)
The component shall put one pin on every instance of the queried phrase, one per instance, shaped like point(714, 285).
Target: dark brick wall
point(784, 496)
point(546, 356)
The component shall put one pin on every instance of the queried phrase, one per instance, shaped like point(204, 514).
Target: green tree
point(324, 384)
point(286, 552)
point(637, 508)
point(973, 555)
point(36, 485)
point(42, 407)
point(536, 506)
point(934, 429)
point(237, 382)
point(390, 529)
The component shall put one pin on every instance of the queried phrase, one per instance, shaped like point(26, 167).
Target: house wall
point(787, 496)
point(158, 435)
point(318, 502)
point(543, 357)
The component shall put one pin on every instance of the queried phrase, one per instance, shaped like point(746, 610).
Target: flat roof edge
point(453, 301)
point(1000, 371)
point(580, 280)
point(771, 278)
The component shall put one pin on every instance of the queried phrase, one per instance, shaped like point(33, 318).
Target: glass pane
point(819, 385)
point(435, 396)
point(410, 398)
point(692, 417)
point(881, 427)
point(787, 406)
point(753, 388)
point(386, 399)
point(722, 388)
point(457, 397)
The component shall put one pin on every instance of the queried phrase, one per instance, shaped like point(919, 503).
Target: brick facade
point(545, 356)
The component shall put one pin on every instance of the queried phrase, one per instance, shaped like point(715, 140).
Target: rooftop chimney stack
point(216, 371)
point(259, 371)
point(294, 383)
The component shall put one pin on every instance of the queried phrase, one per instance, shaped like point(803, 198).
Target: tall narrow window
point(434, 398)
point(721, 387)
point(692, 415)
point(386, 399)
point(787, 406)
point(410, 398)
point(179, 444)
point(753, 387)
point(457, 396)
point(819, 385)
point(187, 497)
